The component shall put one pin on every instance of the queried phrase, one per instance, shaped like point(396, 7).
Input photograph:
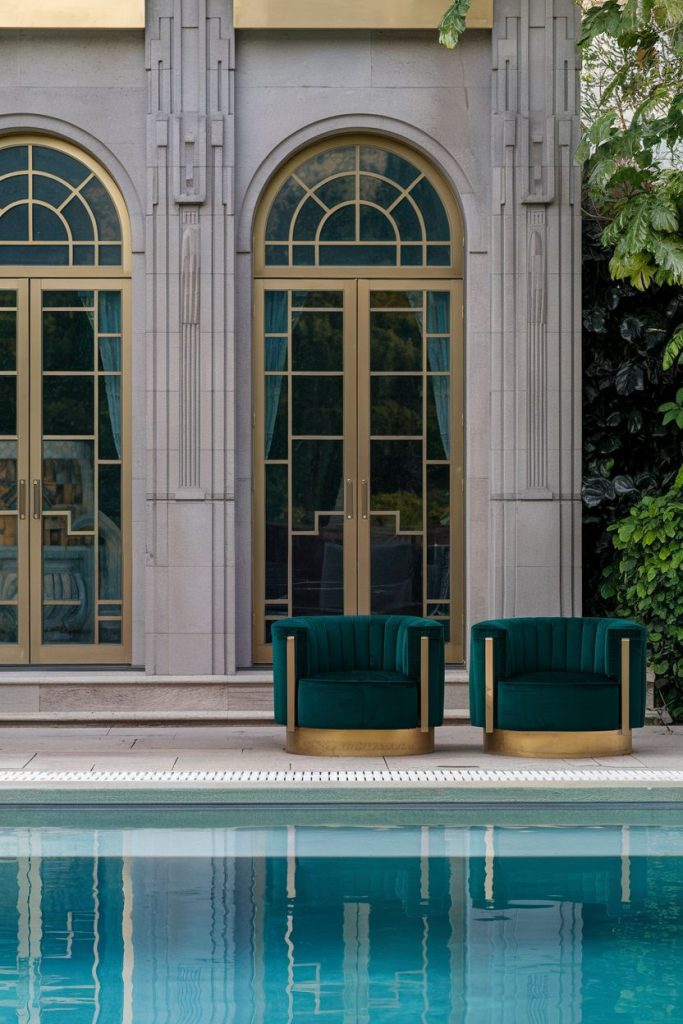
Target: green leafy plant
point(645, 582)
point(452, 24)
point(673, 411)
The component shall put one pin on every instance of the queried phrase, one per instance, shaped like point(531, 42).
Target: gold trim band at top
point(358, 14)
point(523, 743)
point(72, 14)
point(360, 742)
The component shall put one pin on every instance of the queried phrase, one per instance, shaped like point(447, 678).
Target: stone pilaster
point(190, 272)
point(536, 325)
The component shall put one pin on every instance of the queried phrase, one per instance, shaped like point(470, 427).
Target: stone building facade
point(196, 126)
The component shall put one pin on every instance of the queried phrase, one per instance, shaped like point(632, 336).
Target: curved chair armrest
point(283, 654)
point(625, 656)
point(493, 663)
point(425, 662)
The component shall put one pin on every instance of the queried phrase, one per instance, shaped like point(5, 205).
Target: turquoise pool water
point(344, 923)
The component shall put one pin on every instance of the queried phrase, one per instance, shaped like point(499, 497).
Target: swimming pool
point(308, 916)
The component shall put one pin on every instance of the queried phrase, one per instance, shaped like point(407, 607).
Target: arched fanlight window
point(359, 205)
point(55, 210)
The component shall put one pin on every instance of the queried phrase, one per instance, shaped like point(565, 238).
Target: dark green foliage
point(628, 451)
point(645, 582)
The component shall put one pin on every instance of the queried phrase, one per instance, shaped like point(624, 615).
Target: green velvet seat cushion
point(359, 699)
point(557, 701)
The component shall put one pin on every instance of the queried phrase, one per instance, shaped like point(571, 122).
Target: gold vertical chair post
point(424, 684)
point(488, 666)
point(625, 686)
point(291, 685)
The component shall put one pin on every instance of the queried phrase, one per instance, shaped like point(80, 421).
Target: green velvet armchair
point(358, 684)
point(558, 687)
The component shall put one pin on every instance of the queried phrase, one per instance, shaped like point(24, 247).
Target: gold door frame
point(262, 650)
point(363, 278)
point(87, 654)
point(28, 280)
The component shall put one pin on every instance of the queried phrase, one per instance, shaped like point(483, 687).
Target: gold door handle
point(364, 499)
point(349, 499)
point(36, 499)
point(22, 499)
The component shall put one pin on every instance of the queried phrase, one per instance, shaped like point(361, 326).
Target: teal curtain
point(275, 358)
point(110, 357)
point(438, 320)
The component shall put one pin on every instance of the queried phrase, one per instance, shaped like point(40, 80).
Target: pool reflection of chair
point(558, 687)
point(358, 685)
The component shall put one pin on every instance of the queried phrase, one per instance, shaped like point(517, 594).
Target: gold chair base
point(360, 742)
point(519, 743)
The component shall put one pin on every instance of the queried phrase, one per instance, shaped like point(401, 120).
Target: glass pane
point(396, 341)
point(277, 255)
point(13, 158)
point(318, 570)
point(110, 255)
point(109, 354)
point(438, 354)
point(396, 480)
point(14, 224)
point(303, 255)
point(317, 299)
point(432, 210)
point(332, 161)
point(275, 313)
point(276, 418)
point(276, 353)
point(106, 217)
point(407, 221)
point(317, 479)
point(8, 340)
point(109, 533)
point(276, 533)
point(412, 255)
point(397, 300)
point(68, 585)
point(438, 255)
point(438, 418)
point(339, 190)
point(68, 340)
point(34, 256)
point(438, 532)
point(69, 481)
point(109, 312)
point(110, 609)
point(388, 164)
point(60, 164)
point(375, 226)
point(395, 570)
point(318, 340)
point(110, 632)
point(282, 210)
point(8, 475)
point(109, 408)
point(438, 312)
point(396, 405)
point(13, 189)
point(317, 405)
point(68, 405)
point(374, 190)
point(79, 221)
point(8, 405)
point(340, 226)
point(50, 191)
point(47, 227)
point(8, 563)
point(9, 622)
point(84, 255)
point(8, 298)
point(307, 221)
point(358, 255)
point(68, 299)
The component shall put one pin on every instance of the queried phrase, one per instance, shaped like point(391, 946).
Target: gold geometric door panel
point(64, 568)
point(358, 390)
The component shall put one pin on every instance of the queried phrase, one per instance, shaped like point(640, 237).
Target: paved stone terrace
point(206, 749)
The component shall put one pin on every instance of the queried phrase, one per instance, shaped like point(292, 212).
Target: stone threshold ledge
point(79, 676)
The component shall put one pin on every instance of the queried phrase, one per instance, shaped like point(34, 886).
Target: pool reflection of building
point(265, 940)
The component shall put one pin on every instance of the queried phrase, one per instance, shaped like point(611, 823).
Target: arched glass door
point(64, 354)
point(358, 392)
